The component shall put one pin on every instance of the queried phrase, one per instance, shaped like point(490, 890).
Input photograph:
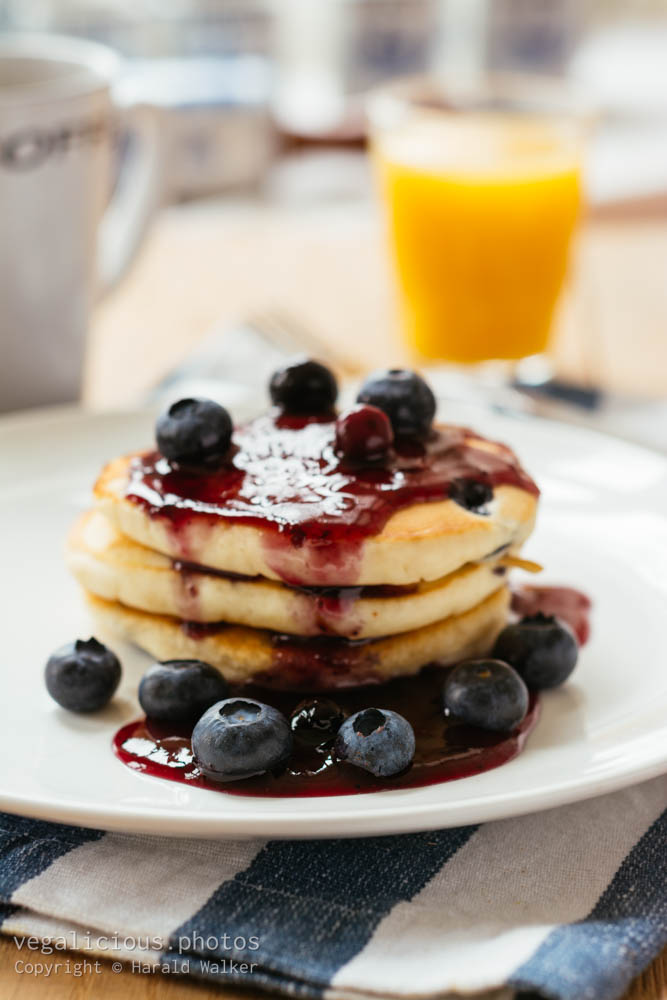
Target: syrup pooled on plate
point(446, 749)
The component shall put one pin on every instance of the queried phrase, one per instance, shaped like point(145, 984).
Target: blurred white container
point(62, 242)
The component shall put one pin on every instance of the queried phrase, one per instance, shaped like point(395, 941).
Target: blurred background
point(270, 235)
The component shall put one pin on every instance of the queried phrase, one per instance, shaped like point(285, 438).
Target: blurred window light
point(535, 35)
point(150, 28)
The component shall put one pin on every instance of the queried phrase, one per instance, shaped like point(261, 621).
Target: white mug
point(63, 238)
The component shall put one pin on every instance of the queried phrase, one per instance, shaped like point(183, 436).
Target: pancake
point(417, 541)
point(114, 567)
point(247, 655)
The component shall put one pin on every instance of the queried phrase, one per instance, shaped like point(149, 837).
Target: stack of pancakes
point(431, 585)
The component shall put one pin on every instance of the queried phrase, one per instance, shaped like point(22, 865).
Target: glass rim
point(518, 95)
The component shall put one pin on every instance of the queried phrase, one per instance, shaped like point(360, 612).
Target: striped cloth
point(570, 903)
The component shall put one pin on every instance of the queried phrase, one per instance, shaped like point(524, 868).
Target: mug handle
point(137, 197)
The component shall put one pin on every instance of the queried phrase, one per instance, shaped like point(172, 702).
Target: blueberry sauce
point(351, 593)
point(307, 663)
point(327, 606)
point(283, 475)
point(195, 569)
point(445, 749)
point(331, 662)
point(564, 602)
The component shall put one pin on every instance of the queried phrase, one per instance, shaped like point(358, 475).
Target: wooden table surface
point(108, 985)
point(210, 264)
point(326, 267)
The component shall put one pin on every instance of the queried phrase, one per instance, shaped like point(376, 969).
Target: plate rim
point(630, 768)
point(389, 822)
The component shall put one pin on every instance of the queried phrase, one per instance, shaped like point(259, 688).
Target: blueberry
point(405, 398)
point(180, 690)
point(194, 432)
point(83, 675)
point(303, 386)
point(364, 434)
point(376, 740)
point(239, 737)
point(486, 693)
point(471, 494)
point(316, 720)
point(541, 648)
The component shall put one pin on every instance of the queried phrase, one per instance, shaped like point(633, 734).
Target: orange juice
point(481, 212)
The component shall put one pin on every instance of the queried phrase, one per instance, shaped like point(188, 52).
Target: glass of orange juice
point(482, 191)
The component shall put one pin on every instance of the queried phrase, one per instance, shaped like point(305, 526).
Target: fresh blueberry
point(303, 386)
point(180, 690)
point(376, 740)
point(83, 675)
point(364, 434)
point(316, 720)
point(471, 494)
point(239, 737)
point(194, 432)
point(542, 648)
point(406, 399)
point(486, 693)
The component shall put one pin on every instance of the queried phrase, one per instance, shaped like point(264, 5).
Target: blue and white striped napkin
point(570, 903)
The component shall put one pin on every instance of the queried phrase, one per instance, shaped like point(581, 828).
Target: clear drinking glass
point(481, 188)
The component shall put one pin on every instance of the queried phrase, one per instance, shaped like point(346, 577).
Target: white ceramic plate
point(602, 527)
